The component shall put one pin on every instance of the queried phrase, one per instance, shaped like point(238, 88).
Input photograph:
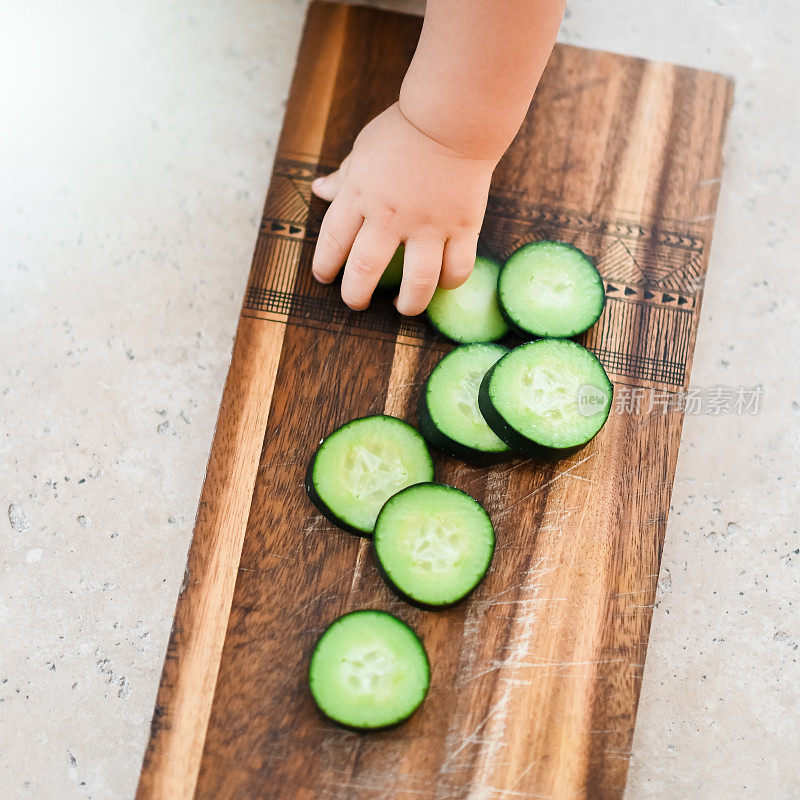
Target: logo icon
point(591, 400)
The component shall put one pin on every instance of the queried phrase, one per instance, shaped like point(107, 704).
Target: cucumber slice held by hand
point(369, 671)
point(433, 543)
point(470, 313)
point(449, 417)
point(392, 276)
point(359, 466)
point(550, 289)
point(546, 398)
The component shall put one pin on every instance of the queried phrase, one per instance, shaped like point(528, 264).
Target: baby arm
point(419, 173)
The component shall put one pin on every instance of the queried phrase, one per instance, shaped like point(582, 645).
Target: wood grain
point(189, 676)
point(536, 677)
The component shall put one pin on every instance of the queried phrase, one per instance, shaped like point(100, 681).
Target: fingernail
point(356, 306)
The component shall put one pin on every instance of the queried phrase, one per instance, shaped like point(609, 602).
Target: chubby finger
point(327, 187)
point(458, 261)
point(336, 236)
point(421, 268)
point(372, 249)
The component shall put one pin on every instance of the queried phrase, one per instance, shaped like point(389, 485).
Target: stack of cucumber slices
point(483, 402)
point(543, 399)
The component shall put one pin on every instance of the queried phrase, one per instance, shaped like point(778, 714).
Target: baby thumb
point(327, 186)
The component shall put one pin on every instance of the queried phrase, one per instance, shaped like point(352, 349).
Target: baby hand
point(399, 185)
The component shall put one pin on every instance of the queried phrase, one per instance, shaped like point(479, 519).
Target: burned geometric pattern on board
point(652, 272)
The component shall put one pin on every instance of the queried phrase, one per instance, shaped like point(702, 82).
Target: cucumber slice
point(359, 466)
point(433, 543)
point(449, 417)
point(470, 313)
point(369, 670)
point(546, 398)
point(550, 289)
point(393, 274)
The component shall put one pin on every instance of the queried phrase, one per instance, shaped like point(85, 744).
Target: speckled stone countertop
point(136, 139)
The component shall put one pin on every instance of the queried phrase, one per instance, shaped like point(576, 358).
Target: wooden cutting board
point(536, 677)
